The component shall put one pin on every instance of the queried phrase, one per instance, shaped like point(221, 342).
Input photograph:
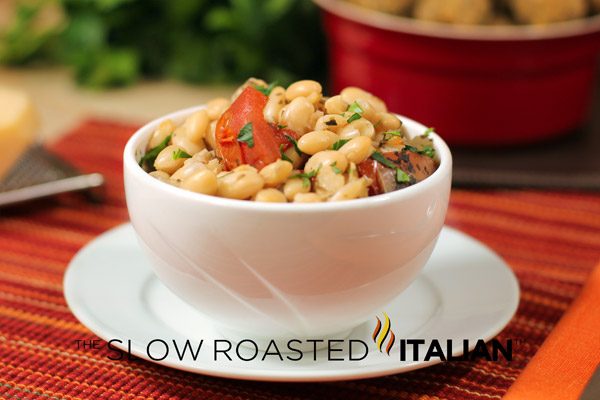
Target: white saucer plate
point(465, 292)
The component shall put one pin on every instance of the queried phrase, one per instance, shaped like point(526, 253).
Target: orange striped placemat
point(550, 239)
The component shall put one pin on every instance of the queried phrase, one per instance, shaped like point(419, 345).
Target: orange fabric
point(566, 361)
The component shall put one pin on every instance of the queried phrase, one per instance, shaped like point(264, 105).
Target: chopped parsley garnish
point(306, 177)
point(265, 90)
point(281, 126)
point(394, 133)
point(180, 154)
point(282, 153)
point(148, 158)
point(295, 143)
point(401, 176)
point(355, 108)
point(377, 156)
point(335, 168)
point(428, 131)
point(426, 150)
point(246, 135)
point(354, 117)
point(338, 145)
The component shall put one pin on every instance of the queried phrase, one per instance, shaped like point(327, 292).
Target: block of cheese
point(18, 123)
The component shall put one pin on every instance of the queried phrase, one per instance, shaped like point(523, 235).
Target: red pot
point(477, 85)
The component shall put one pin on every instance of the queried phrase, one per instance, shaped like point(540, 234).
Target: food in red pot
point(480, 85)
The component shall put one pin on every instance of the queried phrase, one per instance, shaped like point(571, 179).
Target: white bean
point(314, 118)
point(210, 138)
point(387, 122)
point(160, 175)
point(315, 141)
point(190, 166)
point(274, 105)
point(294, 186)
point(351, 94)
point(324, 158)
point(306, 88)
point(276, 173)
point(335, 105)
point(297, 115)
point(166, 162)
point(245, 167)
point(352, 190)
point(328, 181)
point(270, 195)
point(195, 126)
point(216, 107)
point(359, 127)
point(239, 184)
point(181, 140)
point(203, 181)
point(378, 104)
point(331, 122)
point(358, 149)
point(307, 198)
point(368, 111)
point(164, 129)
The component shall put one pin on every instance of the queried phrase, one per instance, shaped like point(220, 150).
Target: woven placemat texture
point(550, 239)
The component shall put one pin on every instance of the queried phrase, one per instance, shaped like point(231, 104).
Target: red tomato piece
point(368, 168)
point(248, 108)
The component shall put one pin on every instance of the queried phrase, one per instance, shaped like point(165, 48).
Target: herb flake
point(335, 168)
point(380, 158)
point(295, 144)
point(306, 176)
point(266, 90)
point(394, 133)
point(355, 108)
point(401, 176)
point(428, 131)
point(246, 135)
point(354, 117)
point(338, 145)
point(150, 156)
point(282, 153)
point(177, 154)
point(426, 150)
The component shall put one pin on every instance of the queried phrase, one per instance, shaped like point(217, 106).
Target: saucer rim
point(283, 375)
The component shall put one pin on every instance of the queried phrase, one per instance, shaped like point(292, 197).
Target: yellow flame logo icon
point(382, 333)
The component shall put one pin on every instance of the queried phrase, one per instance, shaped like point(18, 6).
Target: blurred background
point(510, 84)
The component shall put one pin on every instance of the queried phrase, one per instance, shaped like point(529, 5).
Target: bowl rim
point(441, 30)
point(141, 136)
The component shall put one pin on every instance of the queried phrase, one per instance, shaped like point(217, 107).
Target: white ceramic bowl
point(272, 270)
